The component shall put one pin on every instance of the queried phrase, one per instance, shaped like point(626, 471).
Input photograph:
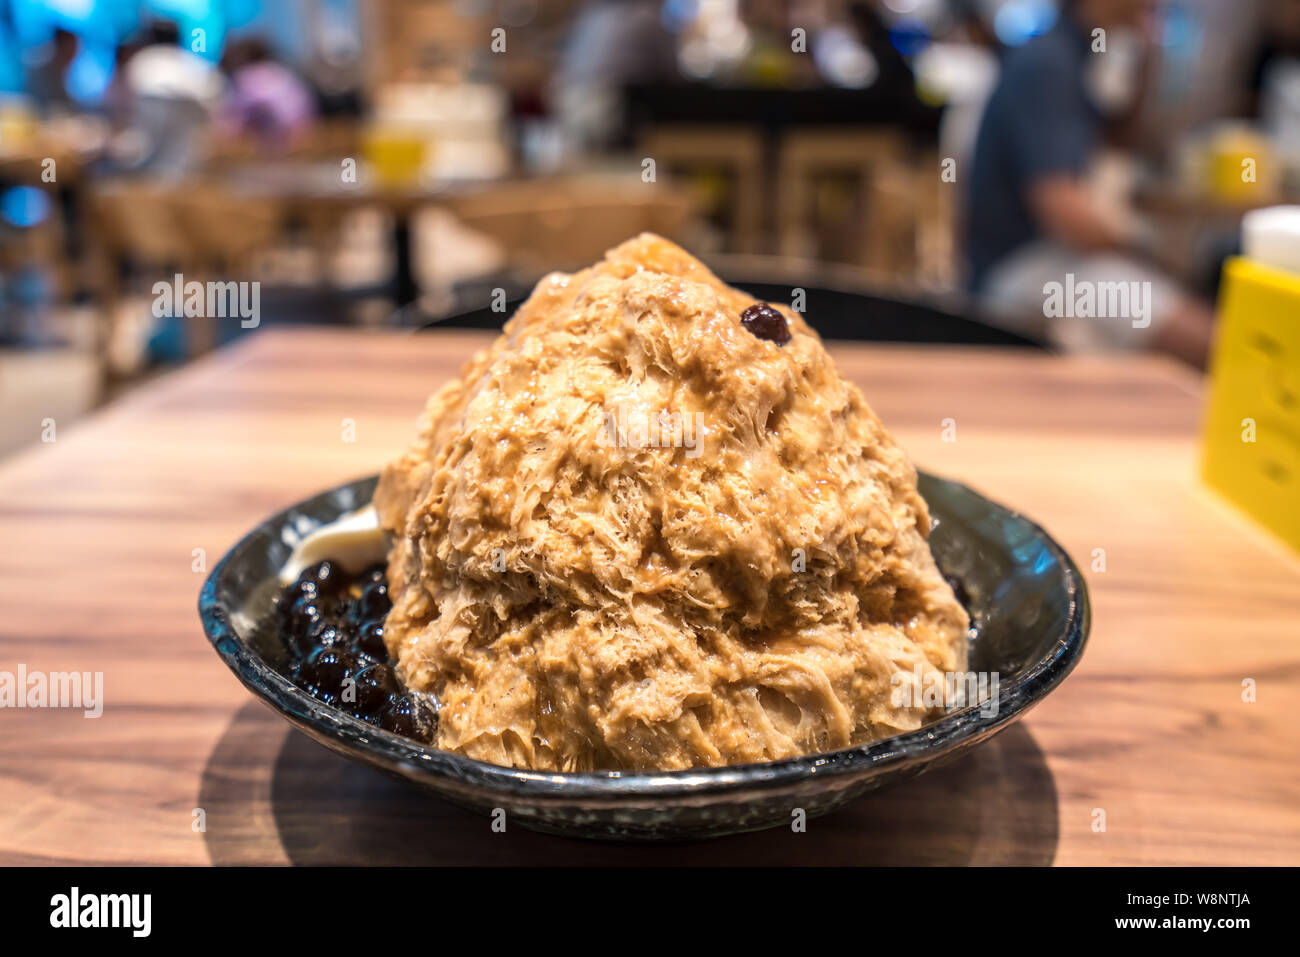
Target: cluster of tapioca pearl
point(333, 623)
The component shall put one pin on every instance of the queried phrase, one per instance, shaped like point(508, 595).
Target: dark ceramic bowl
point(1028, 607)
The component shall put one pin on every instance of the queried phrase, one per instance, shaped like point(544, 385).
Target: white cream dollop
point(354, 540)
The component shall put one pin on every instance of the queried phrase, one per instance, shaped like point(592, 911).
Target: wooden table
point(575, 218)
point(97, 574)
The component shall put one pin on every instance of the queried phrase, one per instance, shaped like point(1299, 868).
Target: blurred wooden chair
point(40, 245)
point(199, 229)
point(134, 222)
point(693, 154)
point(874, 160)
point(228, 228)
point(938, 250)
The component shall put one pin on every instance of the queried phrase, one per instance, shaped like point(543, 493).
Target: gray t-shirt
point(1039, 122)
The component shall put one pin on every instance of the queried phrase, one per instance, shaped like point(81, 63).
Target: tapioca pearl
point(331, 633)
point(370, 639)
point(373, 602)
point(300, 619)
point(330, 579)
point(325, 670)
point(412, 716)
point(376, 689)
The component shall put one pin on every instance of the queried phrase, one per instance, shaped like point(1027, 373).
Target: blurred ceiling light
point(1019, 21)
point(677, 15)
point(89, 74)
point(843, 61)
point(702, 57)
point(955, 71)
point(935, 13)
point(24, 206)
point(694, 60)
point(717, 40)
point(909, 37)
point(75, 10)
point(181, 10)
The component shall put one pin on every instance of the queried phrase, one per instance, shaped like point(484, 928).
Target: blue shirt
point(1039, 122)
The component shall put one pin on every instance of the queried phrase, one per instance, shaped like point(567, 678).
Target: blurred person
point(893, 75)
point(613, 44)
point(1273, 88)
point(961, 67)
point(334, 71)
point(48, 81)
point(889, 77)
point(1034, 231)
point(168, 95)
point(1279, 47)
point(264, 97)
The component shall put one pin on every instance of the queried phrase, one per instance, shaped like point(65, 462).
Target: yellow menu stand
point(1252, 426)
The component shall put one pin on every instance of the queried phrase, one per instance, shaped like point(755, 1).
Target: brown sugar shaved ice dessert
point(639, 533)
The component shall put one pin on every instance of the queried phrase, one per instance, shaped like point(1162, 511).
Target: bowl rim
point(1015, 697)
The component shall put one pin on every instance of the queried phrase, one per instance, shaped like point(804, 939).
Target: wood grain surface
point(97, 573)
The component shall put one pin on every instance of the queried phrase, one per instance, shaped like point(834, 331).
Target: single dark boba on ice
point(766, 322)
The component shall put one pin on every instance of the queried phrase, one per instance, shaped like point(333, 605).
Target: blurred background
point(902, 170)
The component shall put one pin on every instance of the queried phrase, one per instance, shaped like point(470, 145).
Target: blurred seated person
point(611, 45)
point(1279, 47)
point(265, 99)
point(48, 79)
point(168, 95)
point(1035, 233)
point(961, 66)
point(1273, 92)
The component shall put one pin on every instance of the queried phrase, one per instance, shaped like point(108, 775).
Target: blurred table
point(1197, 228)
point(566, 217)
point(64, 153)
point(99, 574)
point(313, 189)
point(1177, 201)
